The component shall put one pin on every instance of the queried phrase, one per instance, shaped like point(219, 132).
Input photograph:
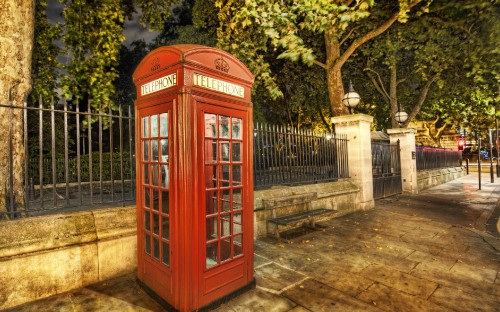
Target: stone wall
point(430, 178)
point(342, 196)
point(47, 255)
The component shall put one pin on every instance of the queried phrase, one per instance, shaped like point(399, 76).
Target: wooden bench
point(281, 223)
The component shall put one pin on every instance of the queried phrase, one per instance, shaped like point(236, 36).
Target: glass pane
point(210, 151)
point(147, 202)
point(210, 126)
point(164, 124)
point(154, 175)
point(212, 254)
point(225, 226)
point(237, 223)
point(145, 151)
point(147, 221)
point(156, 248)
point(237, 129)
point(154, 126)
point(156, 200)
point(164, 176)
point(237, 195)
point(223, 127)
point(154, 150)
point(210, 177)
point(236, 152)
point(224, 151)
point(225, 249)
point(211, 203)
point(165, 228)
point(236, 175)
point(164, 202)
point(166, 253)
point(238, 247)
point(146, 174)
point(156, 224)
point(147, 244)
point(212, 231)
point(226, 200)
point(225, 176)
point(164, 150)
point(145, 127)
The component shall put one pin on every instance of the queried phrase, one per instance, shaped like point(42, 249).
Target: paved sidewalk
point(435, 251)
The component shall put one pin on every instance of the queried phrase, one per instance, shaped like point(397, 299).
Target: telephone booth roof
point(193, 56)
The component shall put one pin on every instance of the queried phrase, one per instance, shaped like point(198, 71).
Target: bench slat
point(293, 218)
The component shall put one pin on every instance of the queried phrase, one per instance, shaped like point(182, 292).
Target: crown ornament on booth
point(155, 64)
point(221, 64)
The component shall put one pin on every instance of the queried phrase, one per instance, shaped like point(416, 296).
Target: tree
point(252, 28)
point(430, 64)
point(16, 43)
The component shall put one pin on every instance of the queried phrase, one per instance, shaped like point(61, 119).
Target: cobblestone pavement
point(435, 251)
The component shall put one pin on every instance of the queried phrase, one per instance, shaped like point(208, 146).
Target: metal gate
point(386, 166)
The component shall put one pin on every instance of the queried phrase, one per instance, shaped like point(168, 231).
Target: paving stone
point(374, 255)
point(476, 273)
point(460, 300)
point(259, 260)
point(347, 282)
point(427, 259)
point(319, 297)
point(275, 277)
point(400, 281)
point(257, 300)
point(299, 309)
point(390, 299)
point(460, 281)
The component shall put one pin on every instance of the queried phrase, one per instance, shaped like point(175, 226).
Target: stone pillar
point(359, 148)
point(408, 157)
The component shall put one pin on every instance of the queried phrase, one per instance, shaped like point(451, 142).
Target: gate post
point(408, 157)
point(357, 129)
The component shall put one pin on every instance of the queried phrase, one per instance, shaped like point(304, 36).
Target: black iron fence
point(78, 156)
point(436, 158)
point(75, 156)
point(288, 156)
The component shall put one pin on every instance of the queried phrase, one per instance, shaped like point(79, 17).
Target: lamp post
point(400, 116)
point(351, 99)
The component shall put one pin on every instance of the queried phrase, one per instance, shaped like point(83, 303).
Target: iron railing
point(75, 156)
point(435, 158)
point(78, 157)
point(289, 156)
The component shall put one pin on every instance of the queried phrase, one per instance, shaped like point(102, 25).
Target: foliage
point(45, 67)
point(429, 65)
point(129, 59)
point(84, 168)
point(155, 12)
point(252, 29)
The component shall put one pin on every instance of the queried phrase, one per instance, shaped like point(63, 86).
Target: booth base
point(210, 306)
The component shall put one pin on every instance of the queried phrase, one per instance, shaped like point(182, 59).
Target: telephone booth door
point(153, 201)
point(194, 176)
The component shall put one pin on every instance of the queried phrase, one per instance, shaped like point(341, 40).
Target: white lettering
point(159, 84)
point(218, 85)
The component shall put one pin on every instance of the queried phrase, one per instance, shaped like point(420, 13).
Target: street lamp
point(351, 99)
point(401, 117)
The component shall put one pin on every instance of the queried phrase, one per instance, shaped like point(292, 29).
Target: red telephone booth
point(194, 175)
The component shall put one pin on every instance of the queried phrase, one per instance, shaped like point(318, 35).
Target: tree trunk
point(334, 76)
point(16, 44)
point(393, 93)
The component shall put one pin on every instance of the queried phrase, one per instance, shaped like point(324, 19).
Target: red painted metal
point(194, 175)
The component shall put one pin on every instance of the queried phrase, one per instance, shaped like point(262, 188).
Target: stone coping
point(42, 233)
